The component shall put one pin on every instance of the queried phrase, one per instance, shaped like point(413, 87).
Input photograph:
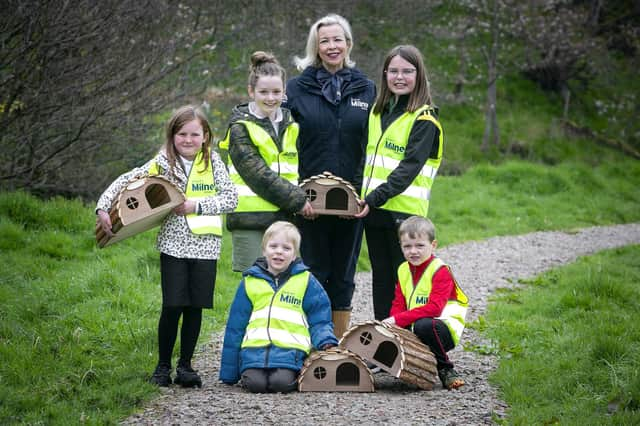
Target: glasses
point(394, 72)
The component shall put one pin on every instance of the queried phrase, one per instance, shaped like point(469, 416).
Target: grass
point(569, 343)
point(518, 197)
point(78, 324)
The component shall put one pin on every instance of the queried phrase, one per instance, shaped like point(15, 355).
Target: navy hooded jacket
point(315, 304)
point(332, 135)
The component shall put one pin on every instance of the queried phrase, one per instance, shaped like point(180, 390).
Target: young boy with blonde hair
point(279, 313)
point(428, 300)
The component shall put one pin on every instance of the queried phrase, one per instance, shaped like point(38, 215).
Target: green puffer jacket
point(258, 176)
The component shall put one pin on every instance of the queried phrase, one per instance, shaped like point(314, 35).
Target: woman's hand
point(104, 221)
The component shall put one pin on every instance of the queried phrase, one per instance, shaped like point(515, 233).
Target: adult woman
point(330, 101)
point(404, 152)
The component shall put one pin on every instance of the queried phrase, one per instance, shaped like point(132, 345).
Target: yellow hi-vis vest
point(386, 150)
point(455, 310)
point(277, 316)
point(200, 184)
point(284, 163)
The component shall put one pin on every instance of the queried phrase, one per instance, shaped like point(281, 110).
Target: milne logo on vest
point(290, 299)
point(421, 300)
point(202, 187)
point(290, 154)
point(392, 146)
point(355, 102)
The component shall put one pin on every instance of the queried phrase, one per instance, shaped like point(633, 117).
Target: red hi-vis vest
point(455, 310)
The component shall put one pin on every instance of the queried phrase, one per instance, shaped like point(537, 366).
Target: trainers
point(450, 378)
point(187, 377)
point(161, 376)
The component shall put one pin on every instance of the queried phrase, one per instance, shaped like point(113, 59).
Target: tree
point(559, 47)
point(487, 22)
point(77, 80)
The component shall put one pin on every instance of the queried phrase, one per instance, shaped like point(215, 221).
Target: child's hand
point(186, 208)
point(104, 221)
point(390, 321)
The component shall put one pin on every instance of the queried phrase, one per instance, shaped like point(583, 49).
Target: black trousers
point(385, 256)
point(435, 334)
point(330, 248)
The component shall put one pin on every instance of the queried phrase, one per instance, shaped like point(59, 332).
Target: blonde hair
point(417, 226)
point(180, 117)
point(265, 64)
point(311, 51)
point(289, 229)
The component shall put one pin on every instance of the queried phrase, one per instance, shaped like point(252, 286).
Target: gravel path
point(480, 267)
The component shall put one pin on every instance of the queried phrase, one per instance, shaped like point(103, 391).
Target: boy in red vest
point(428, 300)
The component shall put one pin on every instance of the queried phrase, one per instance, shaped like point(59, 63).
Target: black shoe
point(161, 376)
point(187, 377)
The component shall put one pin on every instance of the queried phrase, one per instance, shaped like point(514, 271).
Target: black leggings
point(168, 332)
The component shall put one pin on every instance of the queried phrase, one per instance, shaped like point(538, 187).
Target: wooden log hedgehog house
point(141, 205)
point(395, 350)
point(331, 195)
point(335, 370)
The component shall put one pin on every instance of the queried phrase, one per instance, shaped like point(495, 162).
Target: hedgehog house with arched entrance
point(395, 350)
point(335, 370)
point(331, 195)
point(142, 204)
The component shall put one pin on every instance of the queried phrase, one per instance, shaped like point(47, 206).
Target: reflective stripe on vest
point(277, 316)
point(454, 312)
point(200, 184)
point(284, 163)
point(386, 150)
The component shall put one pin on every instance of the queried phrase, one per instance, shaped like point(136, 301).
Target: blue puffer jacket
point(332, 135)
point(315, 304)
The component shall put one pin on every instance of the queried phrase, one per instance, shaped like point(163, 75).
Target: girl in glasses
point(404, 151)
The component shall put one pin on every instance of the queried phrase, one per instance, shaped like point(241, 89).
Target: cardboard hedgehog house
point(141, 205)
point(395, 350)
point(331, 195)
point(335, 370)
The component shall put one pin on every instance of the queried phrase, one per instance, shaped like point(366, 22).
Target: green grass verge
point(569, 343)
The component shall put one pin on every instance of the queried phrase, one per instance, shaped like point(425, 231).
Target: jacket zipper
point(266, 354)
